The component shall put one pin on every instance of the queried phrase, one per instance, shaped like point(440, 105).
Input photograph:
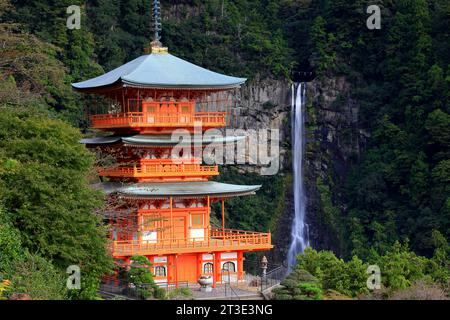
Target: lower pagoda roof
point(177, 189)
point(158, 140)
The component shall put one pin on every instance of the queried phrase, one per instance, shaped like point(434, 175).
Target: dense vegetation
point(252, 213)
point(399, 76)
point(47, 205)
point(321, 275)
point(46, 220)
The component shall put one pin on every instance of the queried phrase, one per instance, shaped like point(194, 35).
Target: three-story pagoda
point(162, 205)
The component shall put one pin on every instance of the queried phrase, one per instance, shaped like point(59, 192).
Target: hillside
point(378, 125)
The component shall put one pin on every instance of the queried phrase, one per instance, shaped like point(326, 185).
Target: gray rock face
point(265, 104)
point(334, 142)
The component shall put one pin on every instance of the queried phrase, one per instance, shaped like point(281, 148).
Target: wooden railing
point(220, 240)
point(158, 170)
point(140, 119)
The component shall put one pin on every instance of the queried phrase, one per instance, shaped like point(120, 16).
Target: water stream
point(299, 230)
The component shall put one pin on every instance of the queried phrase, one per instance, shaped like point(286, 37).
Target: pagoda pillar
point(171, 221)
point(223, 219)
point(240, 266)
point(217, 268)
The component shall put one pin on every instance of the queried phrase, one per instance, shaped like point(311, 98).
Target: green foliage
point(439, 265)
point(10, 244)
point(47, 19)
point(258, 212)
point(160, 294)
point(44, 188)
point(333, 273)
point(27, 274)
point(140, 275)
point(399, 78)
point(323, 57)
point(179, 293)
point(400, 269)
point(38, 278)
point(32, 74)
point(227, 36)
point(299, 285)
point(139, 272)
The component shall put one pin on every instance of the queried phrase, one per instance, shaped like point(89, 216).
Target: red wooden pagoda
point(162, 206)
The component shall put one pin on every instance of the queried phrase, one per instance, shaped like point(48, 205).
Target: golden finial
point(156, 45)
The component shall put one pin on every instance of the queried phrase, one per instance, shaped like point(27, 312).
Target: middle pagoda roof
point(161, 71)
point(157, 140)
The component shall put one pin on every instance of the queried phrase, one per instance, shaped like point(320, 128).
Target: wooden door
point(179, 228)
point(168, 112)
point(187, 268)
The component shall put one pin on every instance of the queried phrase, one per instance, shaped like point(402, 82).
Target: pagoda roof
point(158, 140)
point(161, 70)
point(177, 189)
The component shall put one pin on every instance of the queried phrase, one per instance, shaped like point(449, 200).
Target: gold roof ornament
point(156, 47)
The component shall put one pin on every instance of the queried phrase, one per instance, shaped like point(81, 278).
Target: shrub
point(160, 294)
point(299, 285)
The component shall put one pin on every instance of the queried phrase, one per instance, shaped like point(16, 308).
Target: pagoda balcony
point(220, 240)
point(144, 120)
point(160, 171)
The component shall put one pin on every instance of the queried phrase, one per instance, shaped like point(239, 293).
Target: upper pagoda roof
point(177, 189)
point(161, 70)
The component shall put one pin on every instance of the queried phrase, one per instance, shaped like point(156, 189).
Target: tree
point(10, 244)
point(348, 278)
point(37, 278)
point(299, 285)
point(44, 187)
point(140, 275)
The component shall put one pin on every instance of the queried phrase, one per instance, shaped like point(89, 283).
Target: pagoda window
point(208, 268)
point(229, 266)
point(160, 271)
point(197, 220)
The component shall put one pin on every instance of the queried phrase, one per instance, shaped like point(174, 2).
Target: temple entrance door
point(187, 268)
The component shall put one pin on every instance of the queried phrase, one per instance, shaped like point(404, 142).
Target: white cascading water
point(299, 231)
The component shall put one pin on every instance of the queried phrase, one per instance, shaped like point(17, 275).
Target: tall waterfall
point(299, 231)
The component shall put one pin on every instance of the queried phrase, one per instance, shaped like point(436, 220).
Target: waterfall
point(299, 231)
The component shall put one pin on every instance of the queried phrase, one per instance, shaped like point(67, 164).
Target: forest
point(392, 207)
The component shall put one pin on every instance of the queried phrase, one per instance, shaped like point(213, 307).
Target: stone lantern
point(264, 264)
